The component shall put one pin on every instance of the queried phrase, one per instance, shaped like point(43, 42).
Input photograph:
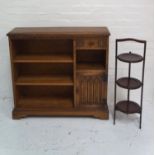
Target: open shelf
point(128, 107)
point(45, 80)
point(52, 58)
point(129, 83)
point(91, 60)
point(130, 57)
point(43, 51)
point(44, 96)
point(44, 74)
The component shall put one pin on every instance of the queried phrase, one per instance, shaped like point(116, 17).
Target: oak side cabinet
point(59, 71)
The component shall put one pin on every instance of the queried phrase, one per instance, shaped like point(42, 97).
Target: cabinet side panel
point(107, 62)
point(13, 71)
point(74, 72)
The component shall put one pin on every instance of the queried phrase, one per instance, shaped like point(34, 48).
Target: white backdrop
point(124, 18)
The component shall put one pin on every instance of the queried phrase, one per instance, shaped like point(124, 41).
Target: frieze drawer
point(91, 43)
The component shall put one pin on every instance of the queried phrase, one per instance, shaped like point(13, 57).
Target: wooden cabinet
point(59, 71)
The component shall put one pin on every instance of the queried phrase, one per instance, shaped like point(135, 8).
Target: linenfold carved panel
point(91, 89)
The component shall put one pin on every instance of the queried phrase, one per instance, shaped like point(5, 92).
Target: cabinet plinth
point(59, 71)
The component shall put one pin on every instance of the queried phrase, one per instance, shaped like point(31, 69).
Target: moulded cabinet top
point(26, 32)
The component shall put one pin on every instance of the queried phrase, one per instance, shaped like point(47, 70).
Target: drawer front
point(91, 43)
point(91, 89)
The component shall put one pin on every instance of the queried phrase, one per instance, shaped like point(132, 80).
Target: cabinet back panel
point(91, 56)
point(44, 69)
point(45, 91)
point(42, 46)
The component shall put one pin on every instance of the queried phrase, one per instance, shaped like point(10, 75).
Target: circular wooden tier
point(130, 57)
point(129, 83)
point(128, 107)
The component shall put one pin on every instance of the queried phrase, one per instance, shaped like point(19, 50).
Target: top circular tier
point(130, 57)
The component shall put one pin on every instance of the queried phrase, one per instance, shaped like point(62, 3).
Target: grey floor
point(75, 136)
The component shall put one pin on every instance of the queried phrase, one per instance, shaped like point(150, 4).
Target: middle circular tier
point(129, 83)
point(130, 57)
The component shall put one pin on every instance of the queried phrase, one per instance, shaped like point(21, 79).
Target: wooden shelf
point(54, 58)
point(128, 107)
point(129, 83)
point(53, 80)
point(130, 57)
point(45, 102)
point(90, 67)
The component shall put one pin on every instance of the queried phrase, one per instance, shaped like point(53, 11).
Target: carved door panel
point(91, 89)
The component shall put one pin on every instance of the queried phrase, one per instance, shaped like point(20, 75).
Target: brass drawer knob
point(91, 43)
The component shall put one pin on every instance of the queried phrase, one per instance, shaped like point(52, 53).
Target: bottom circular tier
point(128, 107)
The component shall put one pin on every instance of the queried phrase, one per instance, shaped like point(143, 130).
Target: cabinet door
point(91, 89)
